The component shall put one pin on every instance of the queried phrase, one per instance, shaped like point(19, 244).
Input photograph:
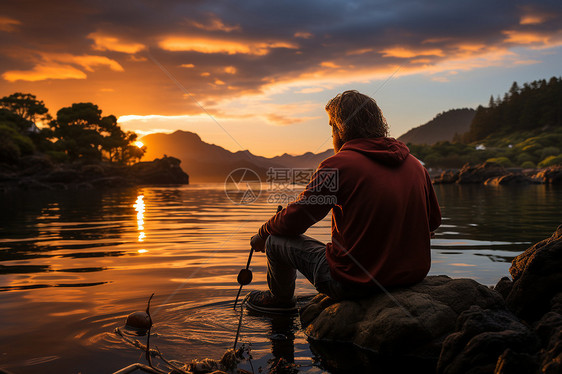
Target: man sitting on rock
point(384, 211)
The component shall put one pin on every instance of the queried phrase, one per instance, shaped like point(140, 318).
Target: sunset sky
point(256, 74)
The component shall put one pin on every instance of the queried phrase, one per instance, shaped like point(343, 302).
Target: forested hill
point(522, 129)
point(441, 128)
point(529, 110)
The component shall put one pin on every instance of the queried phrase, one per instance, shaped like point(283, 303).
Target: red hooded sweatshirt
point(383, 211)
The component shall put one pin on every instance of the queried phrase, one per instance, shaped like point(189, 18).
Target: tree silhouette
point(82, 132)
point(26, 106)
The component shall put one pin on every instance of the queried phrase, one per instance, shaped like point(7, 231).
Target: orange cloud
point(61, 66)
point(8, 24)
point(189, 66)
point(230, 70)
point(104, 42)
point(309, 90)
point(477, 47)
point(215, 24)
point(217, 45)
point(525, 37)
point(303, 35)
point(88, 62)
point(461, 57)
point(278, 119)
point(402, 52)
point(437, 40)
point(330, 64)
point(420, 61)
point(43, 72)
point(361, 51)
point(532, 19)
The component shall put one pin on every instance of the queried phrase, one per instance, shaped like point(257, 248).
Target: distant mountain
point(443, 127)
point(206, 162)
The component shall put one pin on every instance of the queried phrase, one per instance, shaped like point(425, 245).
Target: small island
point(78, 149)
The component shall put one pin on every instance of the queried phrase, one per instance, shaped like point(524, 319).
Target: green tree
point(514, 90)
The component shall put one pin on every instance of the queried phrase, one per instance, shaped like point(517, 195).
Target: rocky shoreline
point(39, 173)
point(455, 326)
point(490, 173)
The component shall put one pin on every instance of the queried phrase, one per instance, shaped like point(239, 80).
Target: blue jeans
point(286, 255)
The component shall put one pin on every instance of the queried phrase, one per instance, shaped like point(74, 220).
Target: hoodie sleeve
point(311, 206)
point(433, 210)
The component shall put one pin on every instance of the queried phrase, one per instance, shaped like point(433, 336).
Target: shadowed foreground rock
point(537, 278)
point(482, 337)
point(459, 324)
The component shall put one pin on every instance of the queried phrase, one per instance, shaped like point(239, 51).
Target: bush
point(551, 161)
point(57, 156)
point(523, 157)
point(22, 142)
point(549, 151)
point(528, 165)
point(9, 152)
point(530, 146)
point(431, 159)
point(503, 161)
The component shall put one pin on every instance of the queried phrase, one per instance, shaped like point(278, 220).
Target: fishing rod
point(245, 275)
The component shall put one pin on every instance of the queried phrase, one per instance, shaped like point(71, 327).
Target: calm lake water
point(74, 264)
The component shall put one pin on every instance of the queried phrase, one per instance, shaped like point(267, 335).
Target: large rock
point(509, 179)
point(549, 331)
point(447, 177)
point(480, 173)
point(61, 175)
point(112, 182)
point(410, 321)
point(537, 278)
point(551, 175)
point(35, 165)
point(481, 339)
point(165, 170)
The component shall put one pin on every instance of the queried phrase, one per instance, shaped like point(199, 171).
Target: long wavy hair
point(354, 115)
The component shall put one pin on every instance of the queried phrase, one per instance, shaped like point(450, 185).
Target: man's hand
point(257, 243)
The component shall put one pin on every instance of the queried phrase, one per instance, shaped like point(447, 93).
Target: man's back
point(385, 211)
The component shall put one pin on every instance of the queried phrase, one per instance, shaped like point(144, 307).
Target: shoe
point(265, 302)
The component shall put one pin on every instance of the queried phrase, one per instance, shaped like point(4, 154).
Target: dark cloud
point(263, 41)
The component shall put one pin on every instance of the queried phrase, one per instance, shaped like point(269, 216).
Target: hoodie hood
point(387, 151)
